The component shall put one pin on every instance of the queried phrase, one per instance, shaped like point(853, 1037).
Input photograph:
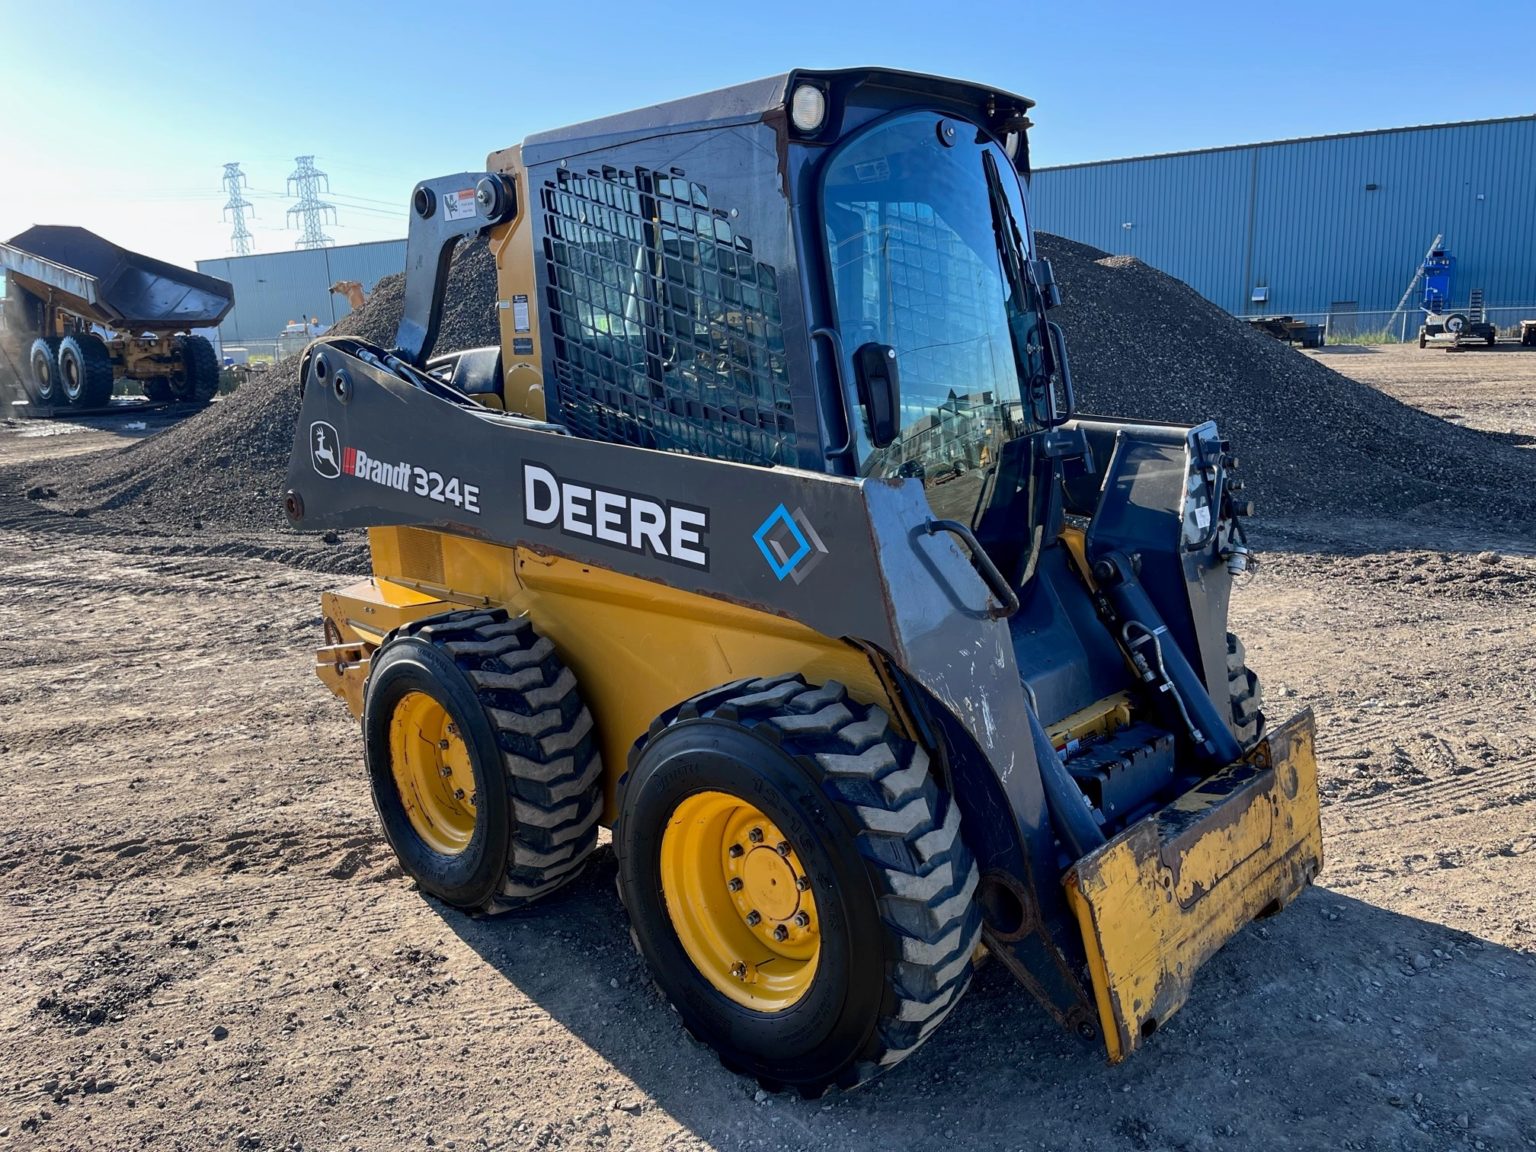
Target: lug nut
point(739, 971)
point(802, 883)
point(802, 919)
point(443, 745)
point(754, 918)
point(756, 835)
point(735, 884)
point(736, 851)
point(781, 933)
point(445, 771)
point(782, 848)
point(458, 793)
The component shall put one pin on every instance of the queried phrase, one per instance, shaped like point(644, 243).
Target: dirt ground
point(207, 944)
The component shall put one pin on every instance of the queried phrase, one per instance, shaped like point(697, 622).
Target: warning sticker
point(522, 345)
point(459, 205)
point(520, 314)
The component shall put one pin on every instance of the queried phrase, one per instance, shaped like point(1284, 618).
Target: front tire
point(838, 952)
point(482, 759)
point(197, 382)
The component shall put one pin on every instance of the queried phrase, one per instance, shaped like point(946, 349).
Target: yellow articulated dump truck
point(770, 539)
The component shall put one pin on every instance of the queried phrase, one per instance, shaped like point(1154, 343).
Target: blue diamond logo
point(772, 536)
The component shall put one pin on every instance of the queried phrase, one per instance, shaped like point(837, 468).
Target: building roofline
point(1287, 140)
point(296, 251)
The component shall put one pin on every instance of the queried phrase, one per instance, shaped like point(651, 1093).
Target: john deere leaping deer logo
point(325, 449)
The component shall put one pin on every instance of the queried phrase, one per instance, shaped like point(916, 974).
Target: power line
point(305, 182)
point(234, 181)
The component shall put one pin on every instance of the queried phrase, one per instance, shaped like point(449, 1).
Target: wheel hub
point(740, 901)
point(432, 772)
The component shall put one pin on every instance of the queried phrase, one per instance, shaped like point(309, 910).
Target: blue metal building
point(274, 288)
point(1317, 226)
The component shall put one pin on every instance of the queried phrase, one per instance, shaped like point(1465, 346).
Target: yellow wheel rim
point(430, 762)
point(740, 901)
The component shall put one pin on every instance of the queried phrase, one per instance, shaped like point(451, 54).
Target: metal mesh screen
point(666, 328)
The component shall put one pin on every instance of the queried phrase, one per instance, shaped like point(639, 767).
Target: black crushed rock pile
point(223, 469)
point(1311, 442)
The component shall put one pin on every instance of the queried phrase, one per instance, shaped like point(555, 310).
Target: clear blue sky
point(123, 122)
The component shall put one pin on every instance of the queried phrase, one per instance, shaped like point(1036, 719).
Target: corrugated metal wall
point(1297, 216)
point(273, 288)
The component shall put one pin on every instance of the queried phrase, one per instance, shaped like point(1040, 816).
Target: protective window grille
point(666, 328)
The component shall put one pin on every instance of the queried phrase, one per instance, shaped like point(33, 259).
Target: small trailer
point(1290, 329)
point(97, 313)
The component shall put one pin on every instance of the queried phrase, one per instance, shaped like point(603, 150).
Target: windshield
point(926, 256)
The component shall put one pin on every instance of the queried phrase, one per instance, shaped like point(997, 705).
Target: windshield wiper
point(1031, 349)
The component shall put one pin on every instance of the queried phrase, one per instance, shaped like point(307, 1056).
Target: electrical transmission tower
point(305, 183)
point(235, 209)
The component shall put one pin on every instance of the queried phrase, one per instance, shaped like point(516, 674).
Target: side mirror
point(879, 382)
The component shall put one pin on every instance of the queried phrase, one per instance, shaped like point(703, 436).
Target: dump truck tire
point(1247, 695)
point(43, 370)
point(198, 381)
point(482, 759)
point(85, 370)
point(868, 923)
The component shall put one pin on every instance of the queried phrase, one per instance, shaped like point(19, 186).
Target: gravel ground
point(207, 943)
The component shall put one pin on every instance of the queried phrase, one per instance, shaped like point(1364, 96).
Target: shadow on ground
point(1337, 1024)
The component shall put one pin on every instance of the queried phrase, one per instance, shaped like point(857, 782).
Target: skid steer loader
point(769, 539)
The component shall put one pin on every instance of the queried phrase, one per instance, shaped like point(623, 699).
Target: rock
point(613, 983)
point(760, 1096)
point(1463, 1121)
point(1489, 558)
point(220, 1032)
point(1420, 961)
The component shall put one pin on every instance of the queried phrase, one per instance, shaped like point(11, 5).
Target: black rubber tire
point(43, 371)
point(158, 389)
point(85, 371)
point(1492, 340)
point(1246, 718)
point(892, 878)
point(1423, 338)
point(197, 381)
point(538, 775)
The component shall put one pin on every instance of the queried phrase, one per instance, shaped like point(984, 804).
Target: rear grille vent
point(421, 556)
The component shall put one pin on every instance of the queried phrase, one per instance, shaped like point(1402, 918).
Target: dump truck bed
point(110, 285)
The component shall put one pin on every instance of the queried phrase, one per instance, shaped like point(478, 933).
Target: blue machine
point(1438, 266)
point(1461, 328)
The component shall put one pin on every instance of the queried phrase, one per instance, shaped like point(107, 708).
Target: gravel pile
point(1312, 443)
point(224, 468)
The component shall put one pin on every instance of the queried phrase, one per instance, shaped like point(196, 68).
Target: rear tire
point(1246, 716)
point(198, 380)
point(85, 370)
point(889, 880)
point(526, 820)
point(43, 370)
